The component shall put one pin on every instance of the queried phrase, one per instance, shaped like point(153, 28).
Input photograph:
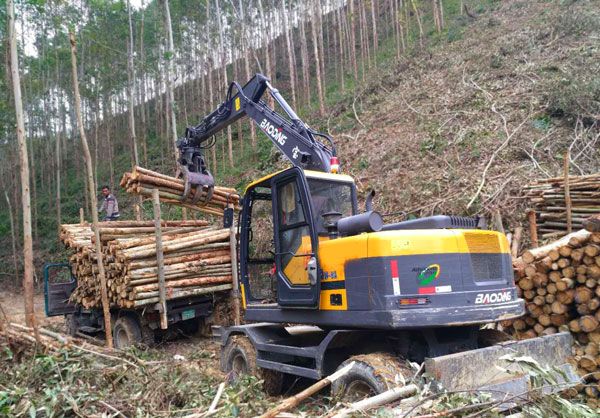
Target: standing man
point(110, 205)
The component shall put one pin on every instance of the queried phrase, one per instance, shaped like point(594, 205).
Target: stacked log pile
point(141, 181)
point(548, 198)
point(560, 284)
point(197, 261)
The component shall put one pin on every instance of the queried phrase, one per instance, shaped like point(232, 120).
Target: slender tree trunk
point(436, 16)
point(170, 80)
point(143, 90)
point(12, 224)
point(35, 194)
point(353, 42)
point(88, 159)
point(58, 134)
point(24, 160)
point(341, 43)
point(418, 18)
point(224, 69)
point(12, 236)
point(374, 17)
point(362, 42)
point(236, 76)
point(441, 9)
point(407, 20)
point(317, 61)
point(332, 57)
point(211, 104)
point(304, 55)
point(319, 11)
point(131, 88)
point(401, 25)
point(288, 44)
point(247, 69)
point(294, 60)
point(96, 133)
point(265, 43)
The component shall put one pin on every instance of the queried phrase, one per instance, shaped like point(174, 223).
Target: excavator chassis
point(450, 355)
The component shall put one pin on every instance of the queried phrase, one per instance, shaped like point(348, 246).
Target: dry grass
point(434, 120)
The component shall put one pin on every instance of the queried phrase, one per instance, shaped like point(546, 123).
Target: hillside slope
point(512, 83)
point(518, 88)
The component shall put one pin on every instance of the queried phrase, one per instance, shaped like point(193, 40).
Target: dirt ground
point(204, 350)
point(13, 305)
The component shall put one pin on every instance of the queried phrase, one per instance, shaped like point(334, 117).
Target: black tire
point(489, 337)
point(71, 325)
point(148, 336)
point(239, 357)
point(371, 375)
point(126, 332)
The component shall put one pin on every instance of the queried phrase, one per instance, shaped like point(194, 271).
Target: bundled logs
point(550, 201)
point(141, 181)
point(560, 283)
point(197, 261)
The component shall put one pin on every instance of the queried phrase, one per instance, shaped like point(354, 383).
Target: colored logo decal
point(429, 274)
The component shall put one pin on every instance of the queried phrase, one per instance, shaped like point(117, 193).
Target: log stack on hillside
point(141, 181)
point(548, 198)
point(560, 283)
point(197, 261)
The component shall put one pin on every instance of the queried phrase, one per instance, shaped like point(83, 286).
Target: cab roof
point(308, 173)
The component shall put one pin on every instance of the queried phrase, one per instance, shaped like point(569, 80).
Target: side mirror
point(311, 267)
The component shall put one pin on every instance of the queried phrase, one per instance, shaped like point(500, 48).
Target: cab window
point(329, 196)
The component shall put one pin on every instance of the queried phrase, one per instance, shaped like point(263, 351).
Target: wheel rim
point(357, 390)
point(238, 364)
point(122, 338)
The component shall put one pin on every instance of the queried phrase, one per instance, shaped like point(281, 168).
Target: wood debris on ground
point(197, 260)
point(560, 283)
point(141, 181)
point(548, 198)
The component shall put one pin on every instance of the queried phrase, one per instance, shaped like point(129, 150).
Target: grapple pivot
point(194, 172)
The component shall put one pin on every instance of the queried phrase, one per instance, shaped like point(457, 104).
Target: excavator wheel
point(239, 357)
point(371, 375)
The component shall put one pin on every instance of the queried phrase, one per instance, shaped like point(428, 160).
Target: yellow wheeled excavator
point(365, 291)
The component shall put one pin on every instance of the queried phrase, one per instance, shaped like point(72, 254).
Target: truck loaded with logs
point(196, 269)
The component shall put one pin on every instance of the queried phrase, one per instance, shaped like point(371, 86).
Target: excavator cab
point(283, 220)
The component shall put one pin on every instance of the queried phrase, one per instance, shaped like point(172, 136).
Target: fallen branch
point(354, 109)
point(377, 400)
point(215, 402)
point(498, 150)
point(296, 399)
point(450, 412)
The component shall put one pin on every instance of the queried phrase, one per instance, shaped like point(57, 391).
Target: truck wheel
point(126, 332)
point(371, 374)
point(71, 325)
point(239, 357)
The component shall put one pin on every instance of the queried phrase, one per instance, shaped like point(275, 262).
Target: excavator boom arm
point(292, 137)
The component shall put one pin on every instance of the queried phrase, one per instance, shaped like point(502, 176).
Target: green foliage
point(542, 122)
point(72, 383)
point(454, 34)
